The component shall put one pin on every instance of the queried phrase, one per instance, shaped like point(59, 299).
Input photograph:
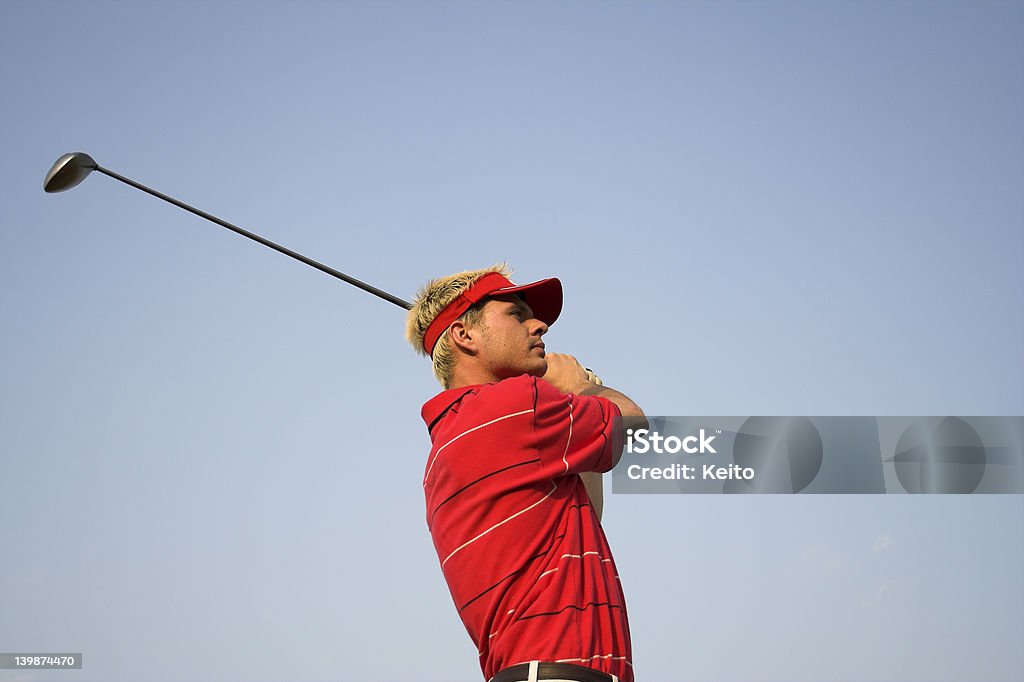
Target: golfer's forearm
point(632, 418)
point(592, 480)
point(632, 415)
point(595, 489)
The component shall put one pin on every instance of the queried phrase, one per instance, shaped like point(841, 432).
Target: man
point(516, 529)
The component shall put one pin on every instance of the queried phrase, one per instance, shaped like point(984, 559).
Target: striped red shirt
point(526, 560)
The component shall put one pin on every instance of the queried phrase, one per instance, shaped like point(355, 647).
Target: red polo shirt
point(526, 560)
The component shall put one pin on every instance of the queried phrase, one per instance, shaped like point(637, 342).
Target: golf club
point(71, 169)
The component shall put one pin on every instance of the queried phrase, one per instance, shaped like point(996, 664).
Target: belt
point(536, 671)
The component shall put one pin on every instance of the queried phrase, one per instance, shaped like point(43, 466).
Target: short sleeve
point(575, 433)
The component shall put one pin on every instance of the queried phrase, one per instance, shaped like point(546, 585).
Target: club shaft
point(256, 238)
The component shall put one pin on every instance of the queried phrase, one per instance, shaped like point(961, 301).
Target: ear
point(463, 338)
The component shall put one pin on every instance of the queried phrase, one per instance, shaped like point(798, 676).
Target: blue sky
point(211, 454)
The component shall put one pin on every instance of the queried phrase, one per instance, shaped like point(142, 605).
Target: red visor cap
point(544, 298)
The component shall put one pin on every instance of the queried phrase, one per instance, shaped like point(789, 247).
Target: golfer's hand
point(566, 374)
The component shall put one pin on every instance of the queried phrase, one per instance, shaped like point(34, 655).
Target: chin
point(539, 369)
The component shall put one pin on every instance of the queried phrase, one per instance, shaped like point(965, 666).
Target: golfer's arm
point(594, 484)
point(632, 418)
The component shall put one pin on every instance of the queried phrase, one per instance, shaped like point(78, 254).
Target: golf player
point(512, 482)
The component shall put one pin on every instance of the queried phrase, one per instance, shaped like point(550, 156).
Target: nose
point(541, 329)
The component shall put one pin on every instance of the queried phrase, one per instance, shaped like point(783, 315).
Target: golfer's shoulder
point(523, 392)
point(534, 390)
point(520, 390)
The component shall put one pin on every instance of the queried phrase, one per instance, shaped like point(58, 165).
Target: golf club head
point(68, 171)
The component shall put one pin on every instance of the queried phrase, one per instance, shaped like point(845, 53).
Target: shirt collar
point(434, 408)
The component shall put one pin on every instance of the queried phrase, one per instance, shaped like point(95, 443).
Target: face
point(510, 339)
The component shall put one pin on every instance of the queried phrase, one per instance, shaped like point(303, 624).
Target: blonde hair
point(434, 297)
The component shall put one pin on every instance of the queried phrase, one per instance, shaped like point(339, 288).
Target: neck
point(471, 379)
